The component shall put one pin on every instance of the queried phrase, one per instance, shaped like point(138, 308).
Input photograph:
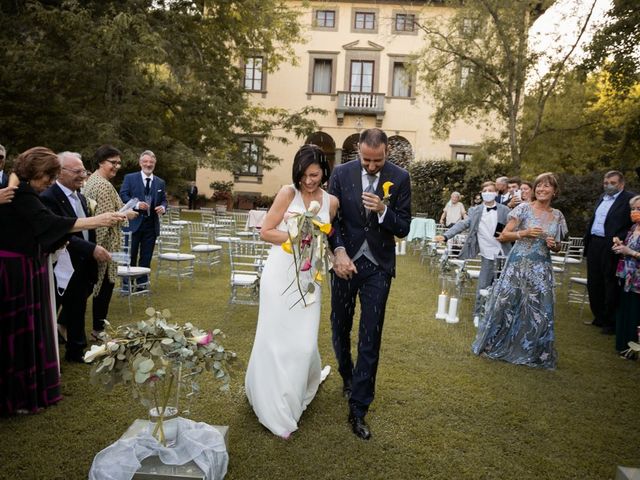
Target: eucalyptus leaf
point(146, 365)
point(141, 377)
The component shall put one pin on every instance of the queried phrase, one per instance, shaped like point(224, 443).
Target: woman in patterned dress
point(517, 326)
point(100, 190)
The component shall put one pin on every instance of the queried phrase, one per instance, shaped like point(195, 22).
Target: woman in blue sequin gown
point(518, 323)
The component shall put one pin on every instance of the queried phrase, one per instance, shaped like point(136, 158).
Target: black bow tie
point(495, 207)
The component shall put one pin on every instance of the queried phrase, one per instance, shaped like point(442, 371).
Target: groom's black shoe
point(346, 389)
point(359, 427)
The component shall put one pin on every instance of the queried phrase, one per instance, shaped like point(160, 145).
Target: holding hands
point(7, 194)
point(343, 266)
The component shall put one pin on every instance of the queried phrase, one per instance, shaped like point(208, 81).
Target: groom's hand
point(342, 265)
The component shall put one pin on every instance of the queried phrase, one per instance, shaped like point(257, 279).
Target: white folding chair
point(202, 246)
point(134, 281)
point(225, 229)
point(577, 292)
point(172, 261)
point(246, 258)
point(241, 219)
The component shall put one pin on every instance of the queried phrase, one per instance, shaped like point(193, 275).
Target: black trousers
point(143, 242)
point(74, 308)
point(371, 284)
point(101, 303)
point(602, 284)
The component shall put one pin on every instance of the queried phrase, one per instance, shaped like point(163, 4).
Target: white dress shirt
point(489, 245)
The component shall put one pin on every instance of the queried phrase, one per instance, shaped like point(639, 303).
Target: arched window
point(326, 143)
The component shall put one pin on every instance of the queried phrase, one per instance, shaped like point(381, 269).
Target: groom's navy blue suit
point(353, 225)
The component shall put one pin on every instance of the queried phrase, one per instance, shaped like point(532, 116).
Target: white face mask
point(488, 196)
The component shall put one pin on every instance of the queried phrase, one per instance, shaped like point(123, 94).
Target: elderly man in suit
point(484, 222)
point(151, 191)
point(611, 218)
point(192, 194)
point(64, 198)
point(503, 195)
point(364, 248)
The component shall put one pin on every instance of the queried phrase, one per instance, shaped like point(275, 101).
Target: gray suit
point(471, 248)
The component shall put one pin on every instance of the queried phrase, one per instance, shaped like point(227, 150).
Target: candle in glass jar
point(441, 314)
point(452, 317)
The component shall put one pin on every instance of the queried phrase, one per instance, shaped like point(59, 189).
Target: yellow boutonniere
point(386, 186)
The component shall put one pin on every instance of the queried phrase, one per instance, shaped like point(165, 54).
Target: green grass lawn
point(440, 412)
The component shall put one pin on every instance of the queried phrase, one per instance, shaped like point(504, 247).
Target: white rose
point(292, 227)
point(314, 207)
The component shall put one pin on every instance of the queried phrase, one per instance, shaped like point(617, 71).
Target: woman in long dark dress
point(29, 374)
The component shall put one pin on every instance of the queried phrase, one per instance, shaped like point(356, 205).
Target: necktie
point(492, 208)
point(77, 206)
point(147, 187)
point(371, 179)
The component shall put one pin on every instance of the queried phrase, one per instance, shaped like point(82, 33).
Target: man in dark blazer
point(192, 194)
point(610, 219)
point(364, 265)
point(484, 224)
point(150, 190)
point(64, 198)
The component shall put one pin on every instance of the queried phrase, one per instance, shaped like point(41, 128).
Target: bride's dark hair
point(308, 155)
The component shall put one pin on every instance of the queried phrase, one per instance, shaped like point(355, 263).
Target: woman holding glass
point(628, 314)
point(517, 325)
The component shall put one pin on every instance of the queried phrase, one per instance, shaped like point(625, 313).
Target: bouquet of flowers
point(308, 243)
point(161, 361)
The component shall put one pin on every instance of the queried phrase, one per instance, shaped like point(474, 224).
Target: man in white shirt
point(484, 222)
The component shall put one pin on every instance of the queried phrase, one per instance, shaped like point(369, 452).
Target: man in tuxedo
point(364, 265)
point(484, 222)
point(151, 191)
point(502, 189)
point(4, 178)
point(192, 194)
point(611, 219)
point(64, 198)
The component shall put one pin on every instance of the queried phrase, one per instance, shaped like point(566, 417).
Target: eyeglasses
point(80, 171)
point(115, 163)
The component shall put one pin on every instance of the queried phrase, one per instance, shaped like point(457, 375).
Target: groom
point(364, 248)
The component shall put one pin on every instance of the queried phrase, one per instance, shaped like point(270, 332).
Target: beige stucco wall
point(288, 88)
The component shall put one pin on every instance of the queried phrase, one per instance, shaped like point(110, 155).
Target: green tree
point(164, 75)
point(477, 66)
point(616, 46)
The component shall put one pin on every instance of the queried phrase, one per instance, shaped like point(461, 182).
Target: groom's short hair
point(374, 137)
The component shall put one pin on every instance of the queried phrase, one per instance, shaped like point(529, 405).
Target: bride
point(284, 370)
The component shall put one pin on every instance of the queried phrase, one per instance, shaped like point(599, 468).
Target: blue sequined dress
point(517, 326)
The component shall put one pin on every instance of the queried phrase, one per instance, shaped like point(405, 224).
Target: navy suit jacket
point(352, 225)
point(133, 187)
point(5, 180)
point(618, 221)
point(80, 250)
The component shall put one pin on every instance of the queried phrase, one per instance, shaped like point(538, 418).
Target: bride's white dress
point(284, 369)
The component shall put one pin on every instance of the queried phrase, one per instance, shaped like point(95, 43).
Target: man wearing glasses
point(64, 198)
point(151, 191)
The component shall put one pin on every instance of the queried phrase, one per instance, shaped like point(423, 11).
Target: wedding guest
point(29, 369)
point(526, 189)
point(64, 198)
point(477, 200)
point(628, 314)
point(151, 191)
point(453, 211)
point(502, 188)
point(484, 224)
point(518, 325)
point(611, 218)
point(513, 187)
point(100, 190)
point(192, 194)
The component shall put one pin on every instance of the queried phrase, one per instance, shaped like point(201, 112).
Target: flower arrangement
point(160, 360)
point(308, 243)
